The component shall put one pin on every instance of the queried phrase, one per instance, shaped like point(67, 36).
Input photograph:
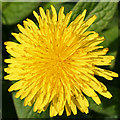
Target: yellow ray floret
point(55, 63)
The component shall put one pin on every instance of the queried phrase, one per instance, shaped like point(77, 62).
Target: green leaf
point(114, 21)
point(108, 107)
point(103, 10)
point(67, 6)
point(110, 36)
point(81, 6)
point(27, 111)
point(14, 12)
point(111, 41)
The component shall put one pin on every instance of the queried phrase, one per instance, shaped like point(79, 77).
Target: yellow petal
point(106, 94)
point(53, 111)
point(60, 14)
point(36, 15)
point(16, 86)
point(54, 14)
point(42, 13)
point(73, 108)
point(90, 20)
point(68, 110)
point(96, 99)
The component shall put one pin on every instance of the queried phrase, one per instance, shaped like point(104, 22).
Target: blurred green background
point(107, 24)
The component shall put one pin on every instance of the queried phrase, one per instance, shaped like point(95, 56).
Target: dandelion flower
point(55, 63)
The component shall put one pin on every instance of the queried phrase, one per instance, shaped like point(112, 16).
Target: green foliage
point(27, 112)
point(81, 6)
point(107, 107)
point(14, 12)
point(111, 41)
point(68, 6)
point(106, 24)
point(103, 10)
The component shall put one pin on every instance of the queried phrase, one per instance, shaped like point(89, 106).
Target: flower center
point(56, 62)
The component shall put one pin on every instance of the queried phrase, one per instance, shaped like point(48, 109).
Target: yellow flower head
point(55, 63)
